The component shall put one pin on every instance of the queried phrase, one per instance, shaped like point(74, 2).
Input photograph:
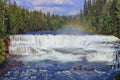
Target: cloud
point(60, 7)
point(74, 12)
point(49, 2)
point(52, 10)
point(57, 10)
point(18, 2)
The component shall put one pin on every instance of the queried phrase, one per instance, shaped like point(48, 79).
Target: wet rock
point(2, 70)
point(80, 68)
point(11, 64)
point(17, 75)
point(9, 56)
point(2, 65)
point(56, 65)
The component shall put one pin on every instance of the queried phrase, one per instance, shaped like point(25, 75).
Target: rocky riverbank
point(14, 69)
point(54, 70)
point(8, 63)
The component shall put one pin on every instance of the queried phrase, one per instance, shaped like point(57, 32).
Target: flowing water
point(63, 57)
point(65, 47)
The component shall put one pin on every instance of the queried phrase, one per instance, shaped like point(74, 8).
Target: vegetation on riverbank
point(101, 16)
point(2, 50)
point(16, 20)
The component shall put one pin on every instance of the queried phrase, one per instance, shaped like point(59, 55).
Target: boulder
point(80, 68)
point(11, 64)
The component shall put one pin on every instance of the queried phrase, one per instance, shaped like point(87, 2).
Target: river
point(59, 56)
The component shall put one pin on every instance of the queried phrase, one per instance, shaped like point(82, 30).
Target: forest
point(97, 16)
point(16, 20)
point(101, 16)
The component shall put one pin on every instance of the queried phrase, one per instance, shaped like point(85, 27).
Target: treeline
point(102, 16)
point(16, 20)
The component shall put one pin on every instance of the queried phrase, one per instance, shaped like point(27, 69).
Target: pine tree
point(117, 12)
point(49, 21)
point(114, 18)
point(85, 8)
point(3, 17)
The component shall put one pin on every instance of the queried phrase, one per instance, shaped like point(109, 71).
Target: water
point(89, 47)
point(66, 31)
point(55, 57)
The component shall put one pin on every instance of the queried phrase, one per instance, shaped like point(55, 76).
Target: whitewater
point(65, 47)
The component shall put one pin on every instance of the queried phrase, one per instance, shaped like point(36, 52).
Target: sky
point(58, 7)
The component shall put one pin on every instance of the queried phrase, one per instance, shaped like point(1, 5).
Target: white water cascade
point(74, 47)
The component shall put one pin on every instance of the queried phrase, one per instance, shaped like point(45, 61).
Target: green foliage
point(117, 13)
point(16, 20)
point(2, 58)
point(103, 16)
point(2, 50)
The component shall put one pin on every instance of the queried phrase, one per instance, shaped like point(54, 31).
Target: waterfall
point(92, 47)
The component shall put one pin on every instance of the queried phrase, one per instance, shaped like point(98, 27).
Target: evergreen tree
point(85, 8)
point(117, 12)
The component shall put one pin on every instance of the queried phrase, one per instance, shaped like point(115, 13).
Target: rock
point(9, 56)
point(2, 70)
point(2, 66)
point(17, 75)
point(56, 64)
point(84, 58)
point(80, 68)
point(11, 64)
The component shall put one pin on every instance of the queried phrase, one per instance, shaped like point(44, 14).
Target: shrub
point(2, 50)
